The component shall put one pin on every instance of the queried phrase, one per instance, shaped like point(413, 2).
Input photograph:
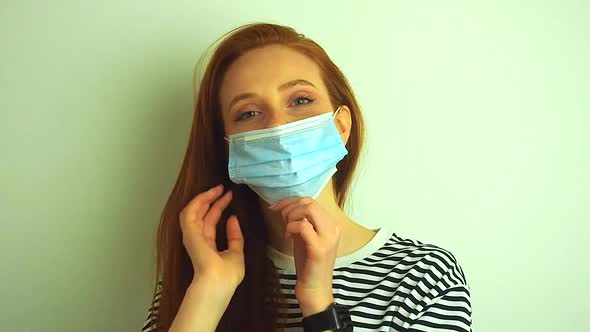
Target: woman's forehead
point(265, 69)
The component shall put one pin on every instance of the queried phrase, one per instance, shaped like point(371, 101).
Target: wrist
point(209, 289)
point(315, 306)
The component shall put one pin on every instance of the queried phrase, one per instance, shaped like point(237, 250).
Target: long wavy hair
point(254, 305)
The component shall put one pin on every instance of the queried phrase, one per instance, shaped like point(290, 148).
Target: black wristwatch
point(335, 318)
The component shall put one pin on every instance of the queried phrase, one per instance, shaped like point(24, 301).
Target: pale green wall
point(478, 122)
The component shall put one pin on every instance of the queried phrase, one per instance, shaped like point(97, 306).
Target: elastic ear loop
point(333, 116)
point(336, 112)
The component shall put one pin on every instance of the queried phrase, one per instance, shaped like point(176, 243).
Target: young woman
point(253, 236)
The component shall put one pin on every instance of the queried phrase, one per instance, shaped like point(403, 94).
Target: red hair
point(253, 306)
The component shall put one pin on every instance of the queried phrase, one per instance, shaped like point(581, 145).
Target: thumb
point(235, 239)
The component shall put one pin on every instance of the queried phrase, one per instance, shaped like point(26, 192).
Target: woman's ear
point(343, 121)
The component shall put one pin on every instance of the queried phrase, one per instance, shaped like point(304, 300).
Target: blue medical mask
point(293, 160)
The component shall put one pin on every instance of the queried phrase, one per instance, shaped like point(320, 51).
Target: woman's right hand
point(198, 221)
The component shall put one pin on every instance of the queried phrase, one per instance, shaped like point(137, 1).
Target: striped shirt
point(389, 284)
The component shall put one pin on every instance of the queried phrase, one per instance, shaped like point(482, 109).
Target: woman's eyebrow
point(293, 83)
point(281, 87)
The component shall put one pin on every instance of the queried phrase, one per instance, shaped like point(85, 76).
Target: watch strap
point(335, 318)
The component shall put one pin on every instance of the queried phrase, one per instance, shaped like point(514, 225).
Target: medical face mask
point(293, 160)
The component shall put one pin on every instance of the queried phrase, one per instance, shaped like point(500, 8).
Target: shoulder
point(424, 260)
point(430, 282)
point(424, 273)
point(435, 293)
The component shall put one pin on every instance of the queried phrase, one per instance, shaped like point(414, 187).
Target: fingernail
point(272, 206)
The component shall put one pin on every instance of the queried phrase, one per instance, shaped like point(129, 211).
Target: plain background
point(478, 141)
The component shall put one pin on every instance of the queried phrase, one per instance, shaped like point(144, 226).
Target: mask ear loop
point(336, 112)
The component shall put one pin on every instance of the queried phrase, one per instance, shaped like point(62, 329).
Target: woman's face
point(271, 86)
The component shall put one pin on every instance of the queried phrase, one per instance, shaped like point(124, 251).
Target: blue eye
point(246, 115)
point(309, 98)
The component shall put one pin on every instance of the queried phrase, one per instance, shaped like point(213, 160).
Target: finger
point(287, 205)
point(312, 213)
point(212, 217)
point(282, 203)
point(199, 205)
point(214, 213)
point(303, 229)
point(235, 238)
point(287, 208)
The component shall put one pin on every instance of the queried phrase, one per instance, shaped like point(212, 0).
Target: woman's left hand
point(316, 236)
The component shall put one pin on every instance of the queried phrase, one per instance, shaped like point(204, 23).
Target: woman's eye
point(246, 115)
point(302, 97)
point(305, 98)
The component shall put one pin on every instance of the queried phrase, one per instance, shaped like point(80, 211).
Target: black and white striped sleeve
point(150, 324)
point(447, 305)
